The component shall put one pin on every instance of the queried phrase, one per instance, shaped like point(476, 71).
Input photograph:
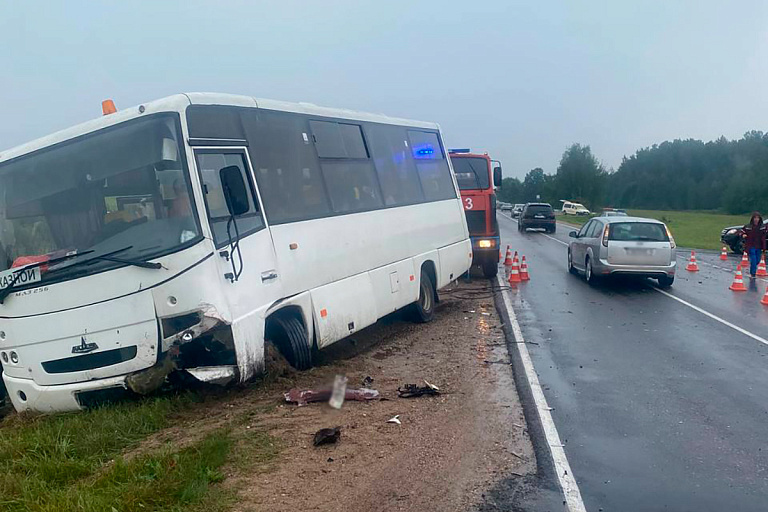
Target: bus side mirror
point(234, 189)
point(497, 176)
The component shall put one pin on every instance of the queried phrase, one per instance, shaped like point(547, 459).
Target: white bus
point(180, 234)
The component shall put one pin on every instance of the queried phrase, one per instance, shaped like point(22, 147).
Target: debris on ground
point(327, 436)
point(413, 390)
point(431, 385)
point(337, 394)
point(395, 419)
point(367, 381)
point(305, 396)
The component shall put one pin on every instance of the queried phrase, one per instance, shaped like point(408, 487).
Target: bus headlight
point(486, 244)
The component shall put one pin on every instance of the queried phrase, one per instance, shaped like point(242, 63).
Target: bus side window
point(435, 176)
point(347, 169)
point(209, 163)
point(287, 169)
point(397, 172)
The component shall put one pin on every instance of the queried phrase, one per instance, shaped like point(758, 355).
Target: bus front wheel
point(424, 309)
point(290, 338)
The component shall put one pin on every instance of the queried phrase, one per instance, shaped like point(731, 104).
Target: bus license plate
point(28, 275)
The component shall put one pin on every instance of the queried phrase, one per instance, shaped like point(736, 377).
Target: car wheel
point(571, 268)
point(424, 309)
point(553, 230)
point(490, 269)
point(589, 275)
point(666, 281)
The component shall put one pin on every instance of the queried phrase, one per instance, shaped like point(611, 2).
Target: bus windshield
point(471, 173)
point(125, 186)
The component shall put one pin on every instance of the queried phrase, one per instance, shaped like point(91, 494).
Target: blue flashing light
point(427, 151)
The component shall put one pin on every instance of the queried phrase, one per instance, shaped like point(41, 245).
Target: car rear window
point(534, 209)
point(638, 231)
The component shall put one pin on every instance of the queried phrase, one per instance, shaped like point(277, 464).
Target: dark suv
point(537, 216)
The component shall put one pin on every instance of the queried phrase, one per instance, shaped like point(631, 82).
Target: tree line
point(728, 175)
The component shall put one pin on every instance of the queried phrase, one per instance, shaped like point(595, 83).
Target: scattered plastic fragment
point(337, 394)
point(395, 419)
point(367, 381)
point(327, 436)
point(305, 396)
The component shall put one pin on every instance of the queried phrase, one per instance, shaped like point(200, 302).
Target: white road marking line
point(546, 235)
point(697, 308)
point(713, 317)
point(565, 476)
point(553, 238)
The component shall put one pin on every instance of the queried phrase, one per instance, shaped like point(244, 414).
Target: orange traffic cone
point(723, 254)
point(508, 258)
point(738, 281)
point(761, 270)
point(514, 274)
point(524, 271)
point(692, 265)
point(515, 258)
point(764, 300)
point(744, 259)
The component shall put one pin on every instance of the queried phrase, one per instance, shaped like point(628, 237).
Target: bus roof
point(179, 102)
point(468, 155)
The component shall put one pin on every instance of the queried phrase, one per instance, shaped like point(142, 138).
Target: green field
point(93, 461)
point(694, 229)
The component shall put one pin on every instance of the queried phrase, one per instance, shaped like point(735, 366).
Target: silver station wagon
point(607, 246)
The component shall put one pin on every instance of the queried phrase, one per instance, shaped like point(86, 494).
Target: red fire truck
point(476, 181)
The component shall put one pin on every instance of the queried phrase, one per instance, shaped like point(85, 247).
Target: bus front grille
point(90, 361)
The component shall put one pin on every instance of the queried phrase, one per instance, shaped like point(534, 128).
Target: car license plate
point(28, 275)
point(537, 216)
point(640, 251)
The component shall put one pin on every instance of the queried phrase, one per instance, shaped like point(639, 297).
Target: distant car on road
point(506, 207)
point(517, 210)
point(732, 237)
point(571, 208)
point(607, 246)
point(614, 213)
point(537, 216)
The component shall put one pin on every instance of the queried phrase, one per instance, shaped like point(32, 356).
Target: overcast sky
point(521, 80)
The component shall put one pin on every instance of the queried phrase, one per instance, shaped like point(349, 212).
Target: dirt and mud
point(448, 449)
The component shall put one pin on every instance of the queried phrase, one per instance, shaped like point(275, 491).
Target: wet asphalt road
point(660, 407)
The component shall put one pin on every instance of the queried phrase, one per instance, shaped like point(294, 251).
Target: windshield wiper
point(110, 256)
point(136, 263)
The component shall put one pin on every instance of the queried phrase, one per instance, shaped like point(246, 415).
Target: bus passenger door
point(245, 253)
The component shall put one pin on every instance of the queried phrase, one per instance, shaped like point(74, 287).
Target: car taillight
point(671, 238)
point(605, 235)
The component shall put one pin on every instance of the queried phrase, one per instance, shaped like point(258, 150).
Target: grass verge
point(694, 229)
point(74, 462)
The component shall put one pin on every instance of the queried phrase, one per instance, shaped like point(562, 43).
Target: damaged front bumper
point(26, 395)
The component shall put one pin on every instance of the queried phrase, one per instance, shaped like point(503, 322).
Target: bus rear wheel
point(290, 338)
point(423, 310)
